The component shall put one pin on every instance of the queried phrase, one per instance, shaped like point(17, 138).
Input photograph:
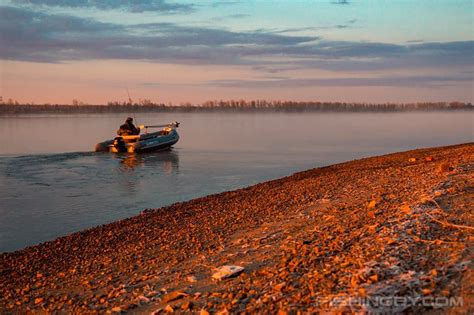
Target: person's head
point(129, 120)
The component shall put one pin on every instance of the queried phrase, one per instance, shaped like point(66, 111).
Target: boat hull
point(160, 140)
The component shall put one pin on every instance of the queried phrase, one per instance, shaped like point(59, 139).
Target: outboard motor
point(119, 145)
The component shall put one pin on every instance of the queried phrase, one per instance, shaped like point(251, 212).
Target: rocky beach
point(397, 228)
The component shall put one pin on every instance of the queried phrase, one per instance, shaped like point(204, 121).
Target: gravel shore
point(335, 238)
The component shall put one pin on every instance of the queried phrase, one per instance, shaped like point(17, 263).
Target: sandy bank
point(394, 225)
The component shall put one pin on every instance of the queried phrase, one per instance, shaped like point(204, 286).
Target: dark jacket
point(128, 129)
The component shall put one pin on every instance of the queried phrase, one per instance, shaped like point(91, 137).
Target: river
point(52, 184)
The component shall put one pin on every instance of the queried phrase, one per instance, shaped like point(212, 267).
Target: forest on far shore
point(13, 107)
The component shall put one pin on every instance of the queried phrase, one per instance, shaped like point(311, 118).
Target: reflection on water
point(131, 161)
point(167, 160)
point(46, 196)
point(163, 162)
point(46, 193)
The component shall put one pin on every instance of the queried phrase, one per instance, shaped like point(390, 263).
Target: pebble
point(191, 279)
point(143, 299)
point(227, 271)
point(279, 286)
point(405, 208)
point(175, 295)
point(443, 168)
point(187, 305)
point(371, 204)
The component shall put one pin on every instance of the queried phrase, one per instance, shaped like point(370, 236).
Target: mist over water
point(52, 184)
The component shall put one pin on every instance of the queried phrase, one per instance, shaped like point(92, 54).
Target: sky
point(377, 51)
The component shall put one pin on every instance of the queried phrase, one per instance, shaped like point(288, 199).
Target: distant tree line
point(13, 107)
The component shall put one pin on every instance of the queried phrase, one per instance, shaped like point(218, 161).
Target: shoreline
point(240, 106)
point(368, 227)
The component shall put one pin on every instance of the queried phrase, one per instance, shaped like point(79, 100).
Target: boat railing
point(167, 127)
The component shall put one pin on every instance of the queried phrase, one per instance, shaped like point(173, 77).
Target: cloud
point(383, 81)
point(413, 41)
point(128, 5)
point(369, 56)
point(223, 3)
point(343, 2)
point(230, 16)
point(303, 29)
point(30, 35)
point(36, 36)
point(348, 24)
point(238, 16)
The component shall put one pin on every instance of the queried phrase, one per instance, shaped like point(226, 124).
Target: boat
point(159, 140)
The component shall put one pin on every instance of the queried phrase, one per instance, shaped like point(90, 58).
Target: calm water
point(51, 184)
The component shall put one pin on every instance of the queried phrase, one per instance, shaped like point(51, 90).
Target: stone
point(372, 228)
point(173, 296)
point(444, 167)
point(371, 204)
point(227, 271)
point(143, 299)
point(187, 306)
point(191, 279)
point(223, 312)
point(405, 208)
point(279, 286)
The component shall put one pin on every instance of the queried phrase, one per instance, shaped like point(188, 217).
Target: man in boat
point(128, 129)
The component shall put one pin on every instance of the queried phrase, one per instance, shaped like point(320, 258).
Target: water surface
point(51, 184)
